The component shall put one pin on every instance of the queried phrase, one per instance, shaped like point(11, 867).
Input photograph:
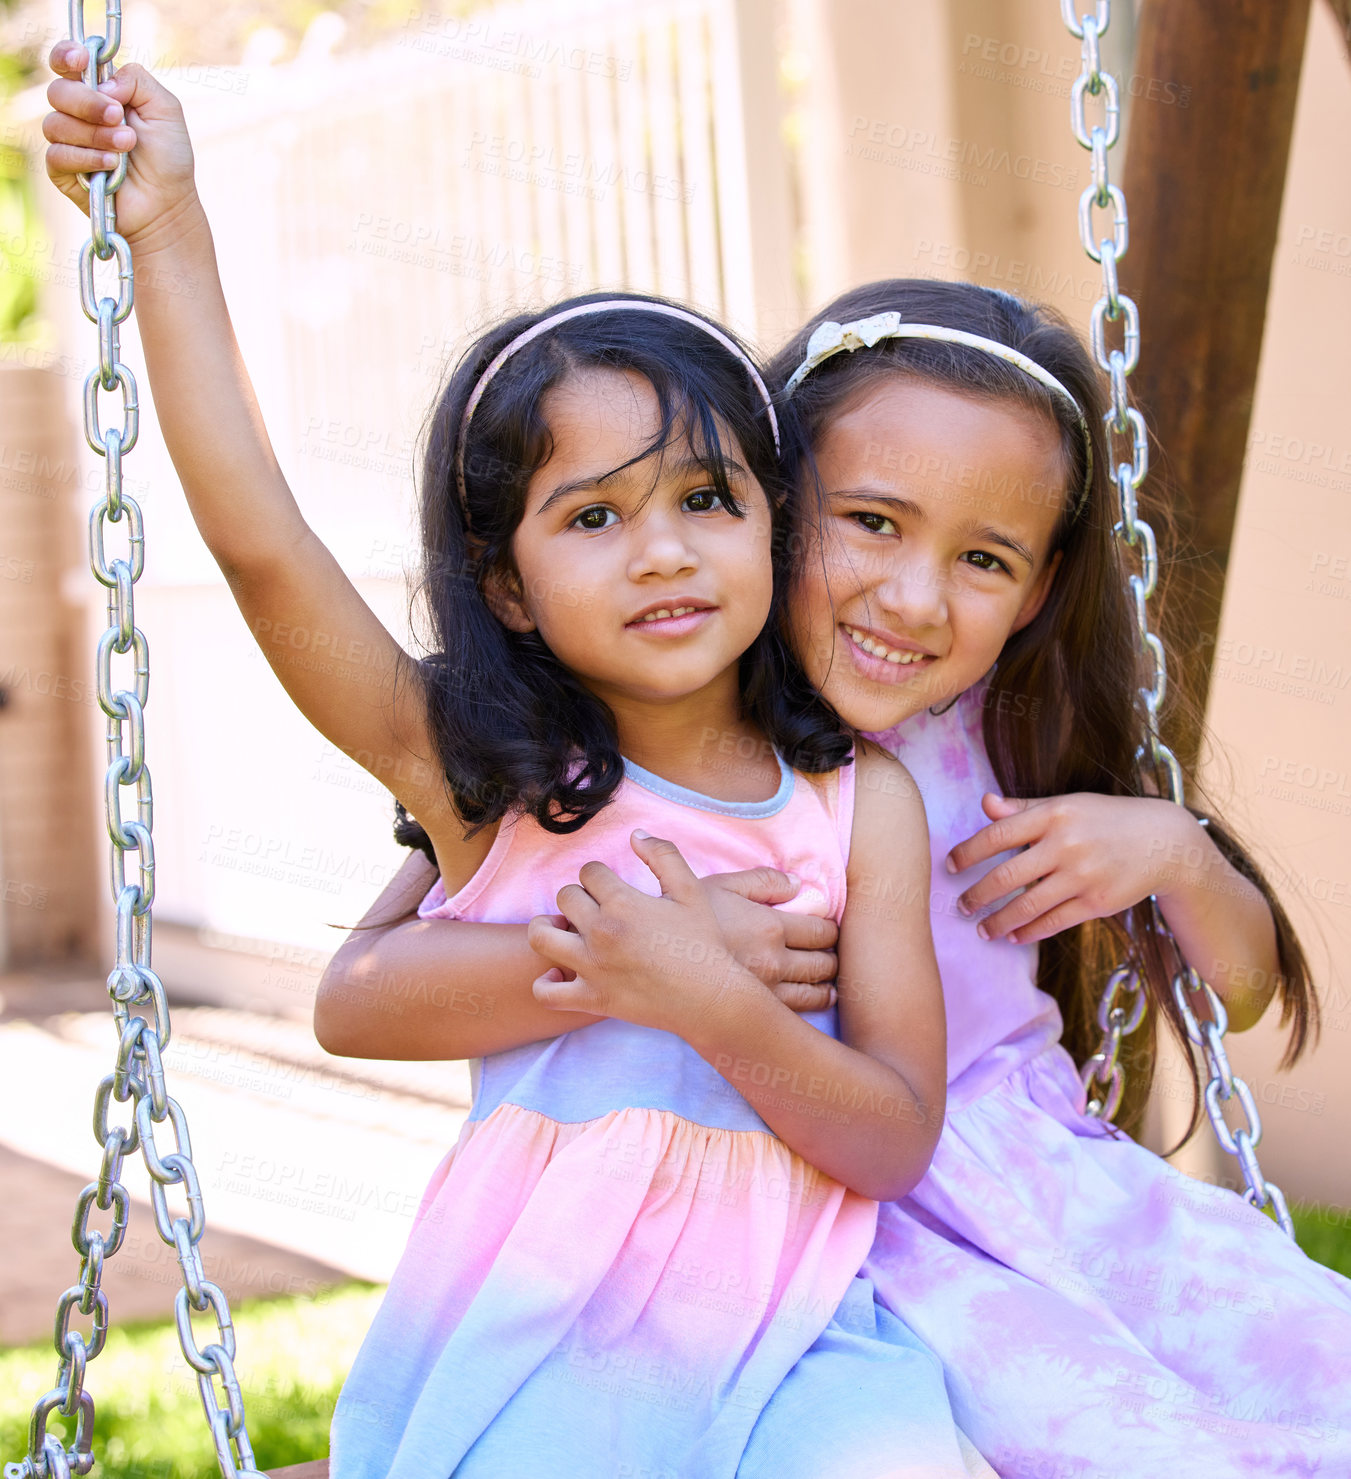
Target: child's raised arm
point(403, 987)
point(867, 1109)
point(344, 671)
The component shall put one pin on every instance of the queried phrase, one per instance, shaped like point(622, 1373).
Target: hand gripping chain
point(138, 1077)
point(1122, 1007)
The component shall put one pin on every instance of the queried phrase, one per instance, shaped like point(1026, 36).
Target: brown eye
point(595, 517)
point(703, 500)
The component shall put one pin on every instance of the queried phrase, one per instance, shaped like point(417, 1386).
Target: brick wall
point(46, 840)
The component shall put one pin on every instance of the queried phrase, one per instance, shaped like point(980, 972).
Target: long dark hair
point(514, 730)
point(1064, 711)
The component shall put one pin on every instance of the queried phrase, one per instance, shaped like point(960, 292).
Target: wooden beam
point(1203, 186)
point(1342, 10)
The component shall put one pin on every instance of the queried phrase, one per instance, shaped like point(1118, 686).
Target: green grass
point(1325, 1234)
point(292, 1357)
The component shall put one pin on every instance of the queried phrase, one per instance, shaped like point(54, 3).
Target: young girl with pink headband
point(642, 1255)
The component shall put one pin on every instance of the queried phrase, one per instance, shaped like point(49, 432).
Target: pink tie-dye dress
point(1099, 1315)
point(619, 1272)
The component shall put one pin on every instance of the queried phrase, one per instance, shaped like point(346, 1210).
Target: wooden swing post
point(1342, 10)
point(1205, 184)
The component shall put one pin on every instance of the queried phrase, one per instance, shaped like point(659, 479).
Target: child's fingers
point(68, 58)
point(62, 128)
point(577, 906)
point(762, 885)
point(602, 883)
point(996, 806)
point(1062, 917)
point(668, 863)
point(106, 103)
point(1019, 913)
point(1021, 871)
point(87, 132)
point(807, 967)
point(79, 113)
point(1018, 830)
point(133, 90)
point(551, 990)
point(801, 997)
point(809, 932)
point(64, 162)
point(559, 946)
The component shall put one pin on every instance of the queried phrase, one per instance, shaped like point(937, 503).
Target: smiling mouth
point(899, 657)
point(670, 621)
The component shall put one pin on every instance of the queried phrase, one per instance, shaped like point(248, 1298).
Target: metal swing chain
point(1122, 1007)
point(138, 1076)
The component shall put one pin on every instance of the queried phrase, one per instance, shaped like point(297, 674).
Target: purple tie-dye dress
point(1099, 1315)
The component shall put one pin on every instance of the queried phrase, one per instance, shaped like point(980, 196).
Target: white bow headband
point(608, 305)
point(829, 339)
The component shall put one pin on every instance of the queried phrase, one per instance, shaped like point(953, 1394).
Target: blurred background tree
point(18, 287)
point(181, 33)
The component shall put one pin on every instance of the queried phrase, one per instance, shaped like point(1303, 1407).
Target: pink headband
point(606, 306)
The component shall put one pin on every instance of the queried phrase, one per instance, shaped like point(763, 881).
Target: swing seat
point(316, 1469)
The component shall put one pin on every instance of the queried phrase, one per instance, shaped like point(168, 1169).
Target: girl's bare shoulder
point(877, 776)
point(881, 774)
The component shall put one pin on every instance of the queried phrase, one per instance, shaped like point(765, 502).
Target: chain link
point(1122, 1007)
point(138, 1077)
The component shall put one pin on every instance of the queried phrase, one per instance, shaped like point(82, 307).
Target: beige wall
point(1280, 701)
point(925, 154)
